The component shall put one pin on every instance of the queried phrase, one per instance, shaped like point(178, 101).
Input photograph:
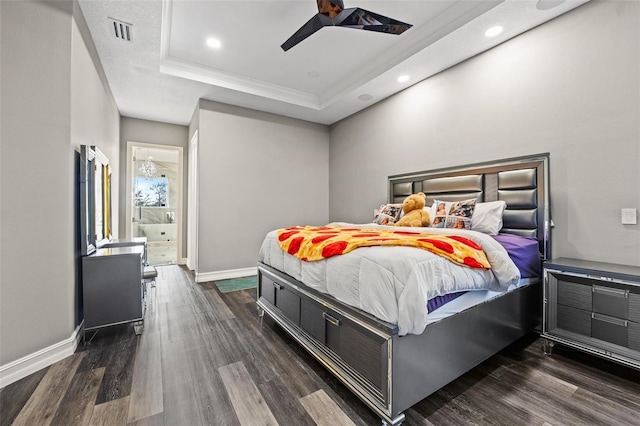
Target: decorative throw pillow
point(388, 213)
point(487, 217)
point(453, 214)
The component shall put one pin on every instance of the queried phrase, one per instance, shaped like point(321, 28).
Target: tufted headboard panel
point(523, 183)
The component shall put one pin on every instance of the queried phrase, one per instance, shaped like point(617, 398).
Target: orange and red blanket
point(311, 243)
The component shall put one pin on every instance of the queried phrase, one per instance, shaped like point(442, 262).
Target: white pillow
point(431, 210)
point(487, 217)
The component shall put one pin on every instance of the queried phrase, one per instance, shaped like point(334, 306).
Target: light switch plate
point(629, 217)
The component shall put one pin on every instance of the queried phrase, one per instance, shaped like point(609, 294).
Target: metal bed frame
point(390, 373)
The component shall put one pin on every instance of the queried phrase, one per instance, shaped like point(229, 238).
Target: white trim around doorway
point(129, 190)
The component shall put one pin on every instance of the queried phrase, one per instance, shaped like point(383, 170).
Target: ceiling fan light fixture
point(493, 31)
point(403, 78)
point(214, 43)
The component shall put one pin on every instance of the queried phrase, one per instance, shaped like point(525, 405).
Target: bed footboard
point(356, 348)
point(388, 372)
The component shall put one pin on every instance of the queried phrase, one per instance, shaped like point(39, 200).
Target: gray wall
point(137, 130)
point(257, 172)
point(570, 87)
point(46, 64)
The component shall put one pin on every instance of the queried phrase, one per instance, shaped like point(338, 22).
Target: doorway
point(154, 209)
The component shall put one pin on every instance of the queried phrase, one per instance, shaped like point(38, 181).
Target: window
point(151, 191)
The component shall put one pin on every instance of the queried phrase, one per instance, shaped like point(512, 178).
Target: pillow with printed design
point(388, 213)
point(453, 214)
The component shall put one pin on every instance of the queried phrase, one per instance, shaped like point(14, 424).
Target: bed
point(391, 362)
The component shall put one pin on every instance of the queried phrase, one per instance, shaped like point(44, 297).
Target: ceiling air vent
point(122, 30)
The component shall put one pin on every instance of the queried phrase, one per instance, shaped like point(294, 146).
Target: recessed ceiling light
point(403, 78)
point(214, 43)
point(493, 31)
point(365, 97)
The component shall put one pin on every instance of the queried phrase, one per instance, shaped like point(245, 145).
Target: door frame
point(180, 260)
point(192, 220)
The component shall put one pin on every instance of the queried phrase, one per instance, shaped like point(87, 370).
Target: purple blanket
point(524, 251)
point(436, 302)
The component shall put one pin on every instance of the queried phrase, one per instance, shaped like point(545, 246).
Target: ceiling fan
point(333, 13)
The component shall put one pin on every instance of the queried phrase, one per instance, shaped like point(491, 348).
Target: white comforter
point(394, 283)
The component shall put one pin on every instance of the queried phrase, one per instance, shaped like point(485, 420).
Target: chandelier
point(148, 168)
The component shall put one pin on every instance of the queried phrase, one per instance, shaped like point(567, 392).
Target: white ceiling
point(167, 67)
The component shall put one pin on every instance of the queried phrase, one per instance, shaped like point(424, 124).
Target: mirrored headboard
point(522, 182)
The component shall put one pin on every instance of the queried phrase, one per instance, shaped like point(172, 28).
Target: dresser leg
point(138, 327)
point(547, 346)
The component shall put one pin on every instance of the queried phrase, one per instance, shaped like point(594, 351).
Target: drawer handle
point(611, 291)
point(610, 320)
point(278, 286)
point(331, 319)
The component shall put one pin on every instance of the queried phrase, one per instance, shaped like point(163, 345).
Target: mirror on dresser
point(95, 199)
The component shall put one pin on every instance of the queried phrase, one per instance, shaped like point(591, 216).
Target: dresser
point(112, 288)
point(594, 307)
point(126, 242)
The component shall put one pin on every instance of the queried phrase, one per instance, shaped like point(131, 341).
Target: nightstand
point(594, 307)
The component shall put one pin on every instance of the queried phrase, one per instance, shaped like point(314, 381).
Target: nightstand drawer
point(611, 301)
point(634, 336)
point(634, 307)
point(576, 295)
point(575, 320)
point(609, 329)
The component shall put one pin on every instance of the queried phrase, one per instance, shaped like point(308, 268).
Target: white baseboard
point(31, 363)
point(225, 275)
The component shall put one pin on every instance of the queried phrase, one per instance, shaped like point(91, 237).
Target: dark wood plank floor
point(205, 358)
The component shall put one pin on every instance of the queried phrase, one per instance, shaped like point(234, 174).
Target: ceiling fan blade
point(332, 13)
point(366, 20)
point(312, 25)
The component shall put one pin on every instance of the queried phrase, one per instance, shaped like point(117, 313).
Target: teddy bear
point(414, 215)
